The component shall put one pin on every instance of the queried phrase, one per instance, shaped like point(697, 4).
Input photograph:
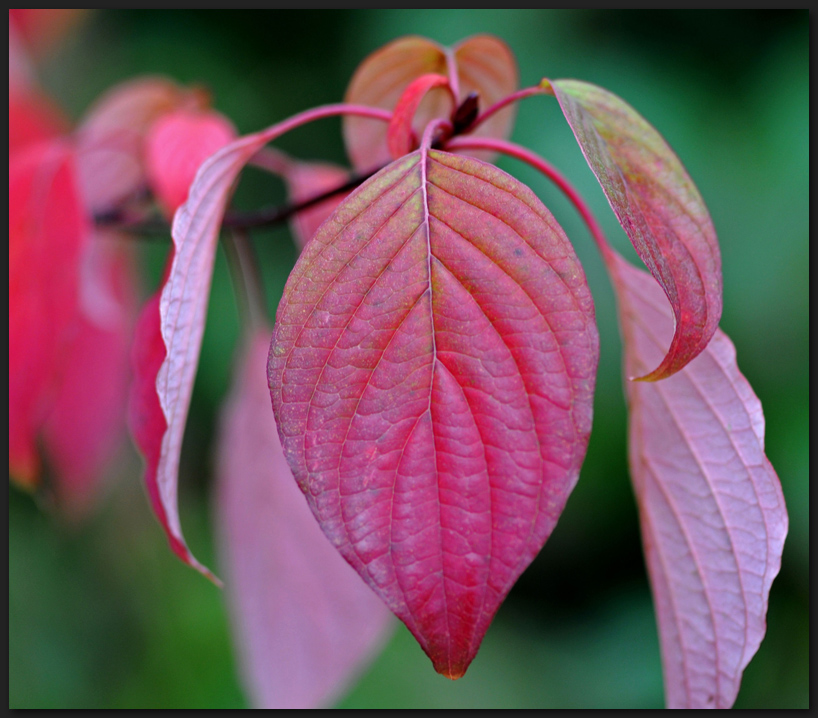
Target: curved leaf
point(182, 312)
point(148, 424)
point(399, 134)
point(432, 372)
point(711, 508)
point(659, 208)
point(484, 65)
point(305, 624)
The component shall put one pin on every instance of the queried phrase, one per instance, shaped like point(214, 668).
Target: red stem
point(429, 133)
point(542, 165)
point(500, 104)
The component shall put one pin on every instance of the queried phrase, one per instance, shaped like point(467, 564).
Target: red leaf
point(305, 623)
point(712, 512)
point(32, 118)
point(399, 134)
point(87, 419)
point(176, 145)
point(47, 233)
point(148, 425)
point(483, 63)
point(659, 208)
point(432, 373)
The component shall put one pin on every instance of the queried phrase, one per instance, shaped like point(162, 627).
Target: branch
point(141, 224)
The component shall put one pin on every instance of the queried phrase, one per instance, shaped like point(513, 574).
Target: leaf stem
point(264, 217)
point(546, 168)
point(500, 104)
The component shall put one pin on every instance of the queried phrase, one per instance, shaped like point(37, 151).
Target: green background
point(101, 614)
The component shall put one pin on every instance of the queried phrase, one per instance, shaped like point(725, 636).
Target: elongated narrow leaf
point(304, 622)
point(483, 63)
point(659, 208)
point(711, 508)
point(181, 314)
point(149, 425)
point(48, 231)
point(432, 372)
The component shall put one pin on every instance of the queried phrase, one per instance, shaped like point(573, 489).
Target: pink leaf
point(481, 64)
point(432, 373)
point(305, 623)
point(309, 179)
point(180, 321)
point(87, 420)
point(712, 512)
point(111, 138)
point(659, 208)
point(176, 145)
point(148, 425)
point(48, 231)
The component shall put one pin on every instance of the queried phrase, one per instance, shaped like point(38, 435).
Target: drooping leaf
point(484, 65)
point(48, 231)
point(659, 208)
point(711, 507)
point(86, 423)
point(148, 424)
point(304, 622)
point(432, 373)
point(175, 147)
point(167, 385)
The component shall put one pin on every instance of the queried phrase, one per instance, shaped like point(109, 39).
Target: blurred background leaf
point(102, 615)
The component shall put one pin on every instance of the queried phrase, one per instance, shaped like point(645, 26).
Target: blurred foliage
point(102, 615)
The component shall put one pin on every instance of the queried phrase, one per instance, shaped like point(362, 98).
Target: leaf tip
point(182, 551)
point(453, 675)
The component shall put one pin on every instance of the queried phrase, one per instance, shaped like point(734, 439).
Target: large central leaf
point(432, 373)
